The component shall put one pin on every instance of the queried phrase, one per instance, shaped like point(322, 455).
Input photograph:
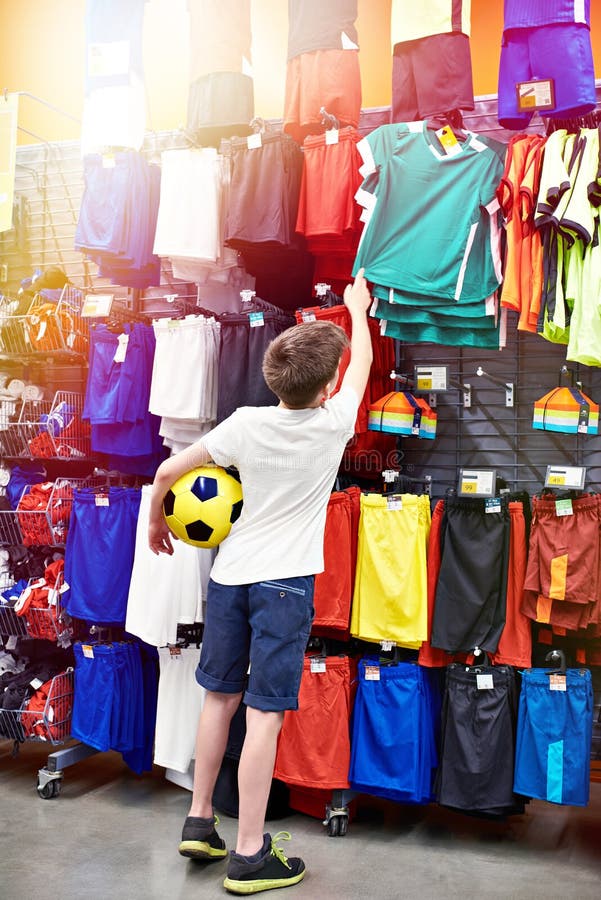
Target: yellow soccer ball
point(202, 505)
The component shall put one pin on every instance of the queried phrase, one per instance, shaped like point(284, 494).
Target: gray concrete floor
point(111, 834)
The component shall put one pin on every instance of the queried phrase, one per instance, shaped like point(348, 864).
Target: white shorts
point(185, 367)
point(179, 706)
point(164, 590)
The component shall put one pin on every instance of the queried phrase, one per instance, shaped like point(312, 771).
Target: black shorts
point(219, 105)
point(242, 347)
point(471, 591)
point(431, 76)
point(264, 191)
point(478, 740)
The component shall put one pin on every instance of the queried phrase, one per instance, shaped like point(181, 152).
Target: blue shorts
point(95, 689)
point(99, 555)
point(393, 742)
point(554, 734)
point(562, 52)
point(266, 624)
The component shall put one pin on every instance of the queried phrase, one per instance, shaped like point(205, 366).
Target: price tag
point(372, 673)
point(175, 652)
point(564, 508)
point(52, 597)
point(50, 713)
point(449, 142)
point(484, 682)
point(492, 505)
point(387, 646)
point(536, 94)
point(477, 482)
point(102, 500)
point(97, 305)
point(557, 682)
point(11, 642)
point(318, 666)
point(88, 651)
point(121, 351)
point(36, 683)
point(332, 136)
point(42, 331)
point(394, 503)
point(256, 319)
point(568, 477)
point(254, 141)
point(431, 379)
point(308, 317)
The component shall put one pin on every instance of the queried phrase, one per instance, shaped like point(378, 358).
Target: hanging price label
point(254, 141)
point(394, 503)
point(428, 378)
point(88, 651)
point(318, 666)
point(256, 319)
point(568, 477)
point(484, 682)
point(564, 508)
point(372, 673)
point(557, 682)
point(477, 483)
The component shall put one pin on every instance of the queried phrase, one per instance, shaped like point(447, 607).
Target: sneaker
point(200, 839)
point(272, 870)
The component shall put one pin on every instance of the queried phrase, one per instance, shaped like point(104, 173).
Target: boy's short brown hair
point(300, 361)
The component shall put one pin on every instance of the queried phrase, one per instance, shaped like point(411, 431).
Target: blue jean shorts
point(265, 625)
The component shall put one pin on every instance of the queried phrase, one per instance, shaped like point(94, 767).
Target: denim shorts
point(265, 625)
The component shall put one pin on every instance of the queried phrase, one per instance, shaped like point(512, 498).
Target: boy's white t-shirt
point(288, 460)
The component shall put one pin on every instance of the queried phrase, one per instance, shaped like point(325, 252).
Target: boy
point(260, 596)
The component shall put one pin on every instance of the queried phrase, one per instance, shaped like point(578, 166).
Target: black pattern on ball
point(205, 488)
point(236, 510)
point(199, 531)
point(169, 502)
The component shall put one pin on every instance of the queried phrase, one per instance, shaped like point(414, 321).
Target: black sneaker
point(271, 871)
point(200, 840)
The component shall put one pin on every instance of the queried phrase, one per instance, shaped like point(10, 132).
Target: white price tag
point(431, 378)
point(42, 331)
point(332, 136)
point(175, 652)
point(88, 651)
point(50, 713)
point(36, 683)
point(568, 477)
point(121, 351)
point(308, 317)
point(477, 483)
point(557, 682)
point(102, 500)
point(394, 503)
point(484, 682)
point(254, 141)
point(11, 642)
point(372, 673)
point(318, 666)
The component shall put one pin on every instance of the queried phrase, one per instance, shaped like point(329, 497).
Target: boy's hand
point(357, 298)
point(160, 537)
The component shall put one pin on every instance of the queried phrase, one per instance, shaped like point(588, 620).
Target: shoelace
point(277, 851)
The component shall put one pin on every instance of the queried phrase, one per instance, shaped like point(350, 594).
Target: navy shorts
point(430, 76)
point(562, 52)
point(266, 625)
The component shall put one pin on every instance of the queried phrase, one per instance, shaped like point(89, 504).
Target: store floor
point(113, 835)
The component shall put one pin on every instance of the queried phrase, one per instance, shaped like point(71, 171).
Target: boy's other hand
point(160, 537)
point(357, 298)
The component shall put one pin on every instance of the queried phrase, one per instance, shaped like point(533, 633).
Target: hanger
point(452, 119)
point(556, 656)
point(329, 121)
point(189, 634)
point(481, 659)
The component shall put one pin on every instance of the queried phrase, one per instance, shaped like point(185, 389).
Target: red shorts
point(328, 78)
point(314, 747)
point(329, 183)
point(333, 586)
point(515, 643)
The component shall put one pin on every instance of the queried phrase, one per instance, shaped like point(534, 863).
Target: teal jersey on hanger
point(426, 213)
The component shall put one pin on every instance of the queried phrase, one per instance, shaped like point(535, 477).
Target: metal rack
point(39, 527)
point(53, 329)
point(50, 429)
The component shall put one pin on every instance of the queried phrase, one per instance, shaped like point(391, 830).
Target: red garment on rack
point(334, 586)
point(314, 748)
point(39, 603)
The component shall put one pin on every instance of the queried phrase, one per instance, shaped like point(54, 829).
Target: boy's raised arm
point(357, 300)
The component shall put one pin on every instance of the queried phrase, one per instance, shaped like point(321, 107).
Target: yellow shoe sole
point(266, 884)
point(201, 850)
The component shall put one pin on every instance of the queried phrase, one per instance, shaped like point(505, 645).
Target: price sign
point(477, 482)
point(431, 378)
point(567, 477)
point(97, 305)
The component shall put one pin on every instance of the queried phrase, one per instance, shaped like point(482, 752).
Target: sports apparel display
point(478, 738)
point(164, 590)
point(179, 704)
point(115, 700)
point(118, 217)
point(221, 94)
point(314, 745)
point(546, 40)
point(321, 26)
point(552, 758)
point(412, 21)
point(334, 586)
point(390, 598)
point(459, 252)
point(98, 570)
point(393, 741)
